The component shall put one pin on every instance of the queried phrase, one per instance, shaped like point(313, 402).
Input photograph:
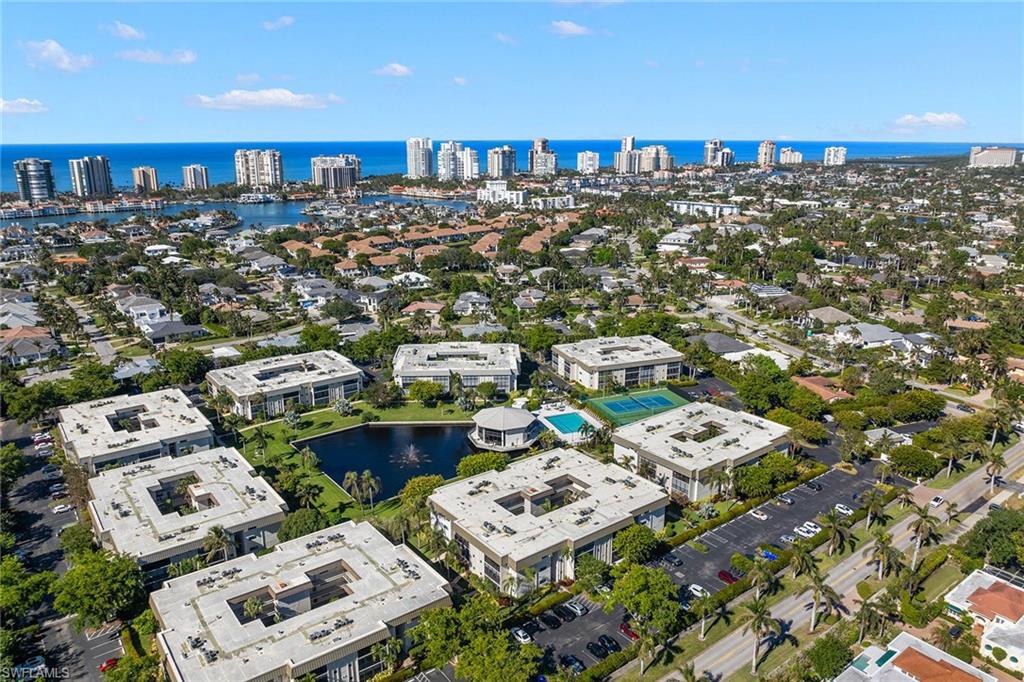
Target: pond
point(394, 453)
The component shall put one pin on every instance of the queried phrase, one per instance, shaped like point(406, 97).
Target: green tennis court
point(628, 408)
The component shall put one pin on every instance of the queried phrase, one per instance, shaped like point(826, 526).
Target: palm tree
point(883, 471)
point(922, 527)
point(370, 485)
point(803, 560)
point(904, 496)
point(353, 485)
point(259, 436)
point(952, 511)
point(838, 529)
point(217, 541)
point(761, 624)
point(874, 503)
point(307, 491)
point(252, 608)
point(884, 554)
point(952, 457)
point(761, 578)
point(688, 672)
point(703, 607)
point(867, 616)
point(821, 593)
point(721, 479)
point(309, 458)
point(994, 465)
point(387, 653)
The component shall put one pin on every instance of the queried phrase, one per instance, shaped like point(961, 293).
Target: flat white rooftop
point(701, 435)
point(618, 351)
point(282, 372)
point(428, 359)
point(364, 583)
point(125, 510)
point(130, 423)
point(604, 495)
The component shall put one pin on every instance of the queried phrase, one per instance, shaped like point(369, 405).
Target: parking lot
point(572, 638)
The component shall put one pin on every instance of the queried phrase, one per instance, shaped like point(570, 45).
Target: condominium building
point(704, 208)
point(268, 387)
point(712, 149)
point(144, 179)
point(617, 360)
point(124, 429)
point(909, 659)
point(654, 158)
point(419, 157)
point(541, 160)
point(835, 156)
point(159, 512)
point(553, 203)
point(472, 362)
point(627, 160)
point(259, 168)
point(766, 153)
point(321, 602)
point(501, 162)
point(195, 176)
point(681, 448)
point(90, 176)
point(455, 162)
point(588, 163)
point(528, 524)
point(790, 157)
point(35, 180)
point(335, 172)
point(497, 192)
point(994, 157)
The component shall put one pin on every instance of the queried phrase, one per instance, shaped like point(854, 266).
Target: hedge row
point(609, 665)
point(550, 601)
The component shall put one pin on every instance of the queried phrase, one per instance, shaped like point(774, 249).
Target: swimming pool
point(570, 422)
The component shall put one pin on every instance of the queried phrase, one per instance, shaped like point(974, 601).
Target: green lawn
point(943, 482)
point(939, 582)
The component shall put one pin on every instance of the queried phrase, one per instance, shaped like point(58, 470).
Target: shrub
point(548, 601)
point(829, 656)
point(913, 462)
point(811, 431)
point(699, 546)
point(609, 665)
point(999, 654)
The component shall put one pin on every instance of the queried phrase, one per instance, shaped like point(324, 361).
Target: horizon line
point(552, 139)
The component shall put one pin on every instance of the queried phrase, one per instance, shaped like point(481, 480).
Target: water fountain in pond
point(410, 457)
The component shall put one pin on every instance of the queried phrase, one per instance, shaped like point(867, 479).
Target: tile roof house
point(996, 608)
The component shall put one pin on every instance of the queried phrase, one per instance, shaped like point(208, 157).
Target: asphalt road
point(572, 637)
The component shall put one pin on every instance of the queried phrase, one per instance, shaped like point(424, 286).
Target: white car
point(62, 509)
point(844, 510)
point(812, 526)
point(30, 669)
point(936, 501)
point(521, 636)
point(51, 476)
point(577, 608)
point(759, 515)
point(698, 591)
point(803, 532)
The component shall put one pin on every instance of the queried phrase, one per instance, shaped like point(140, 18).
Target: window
point(672, 370)
point(492, 571)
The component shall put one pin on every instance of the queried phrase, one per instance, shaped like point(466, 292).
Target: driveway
point(572, 637)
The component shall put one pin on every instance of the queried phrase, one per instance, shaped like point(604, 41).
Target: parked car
point(786, 499)
point(936, 501)
point(21, 554)
point(767, 554)
point(62, 509)
point(844, 510)
point(813, 485)
point(698, 591)
point(803, 532)
point(521, 636)
point(566, 614)
point(726, 577)
point(812, 526)
point(573, 663)
point(578, 608)
point(58, 494)
point(966, 408)
point(628, 632)
point(29, 669)
point(672, 560)
point(787, 539)
point(108, 664)
point(597, 650)
point(995, 507)
point(50, 468)
point(51, 476)
point(550, 620)
point(759, 515)
point(604, 588)
point(609, 643)
point(56, 487)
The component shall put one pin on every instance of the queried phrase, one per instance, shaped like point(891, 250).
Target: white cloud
point(930, 121)
point(246, 78)
point(21, 106)
point(460, 80)
point(270, 98)
point(566, 28)
point(279, 23)
point(505, 38)
point(51, 53)
point(158, 57)
point(394, 69)
point(123, 31)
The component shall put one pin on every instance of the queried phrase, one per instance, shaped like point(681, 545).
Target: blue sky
point(124, 72)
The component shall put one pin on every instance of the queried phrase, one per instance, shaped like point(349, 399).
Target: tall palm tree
point(867, 616)
point(703, 607)
point(761, 578)
point(761, 624)
point(259, 437)
point(387, 653)
point(952, 511)
point(307, 491)
point(904, 496)
point(922, 527)
point(884, 554)
point(838, 530)
point(370, 485)
point(252, 608)
point(874, 503)
point(994, 465)
point(803, 560)
point(821, 594)
point(217, 541)
point(309, 458)
point(688, 673)
point(353, 485)
point(952, 458)
point(883, 471)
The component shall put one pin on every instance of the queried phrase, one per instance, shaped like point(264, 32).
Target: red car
point(726, 577)
point(628, 632)
point(108, 664)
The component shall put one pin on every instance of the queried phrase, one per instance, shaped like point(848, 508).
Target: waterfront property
point(908, 659)
point(621, 409)
point(160, 511)
point(266, 388)
point(132, 428)
point(473, 362)
point(314, 605)
point(530, 522)
point(617, 360)
point(681, 448)
point(504, 429)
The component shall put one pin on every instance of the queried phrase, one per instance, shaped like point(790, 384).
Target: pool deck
point(556, 409)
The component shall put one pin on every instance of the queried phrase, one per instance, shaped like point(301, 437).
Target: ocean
point(389, 157)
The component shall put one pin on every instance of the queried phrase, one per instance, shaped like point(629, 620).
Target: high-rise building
point(195, 176)
point(35, 180)
point(455, 162)
point(588, 163)
point(90, 176)
point(541, 160)
point(627, 159)
point(259, 168)
point(335, 172)
point(790, 157)
point(501, 162)
point(725, 158)
point(654, 158)
point(835, 156)
point(994, 157)
point(628, 143)
point(766, 153)
point(711, 151)
point(144, 179)
point(419, 157)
